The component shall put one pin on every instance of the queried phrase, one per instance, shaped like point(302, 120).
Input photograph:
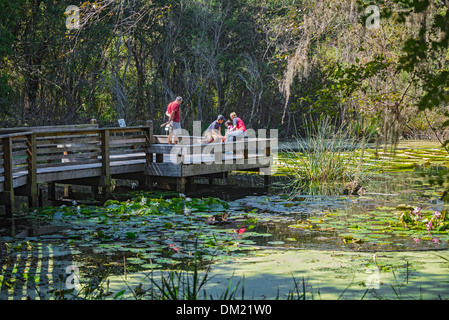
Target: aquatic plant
point(154, 232)
point(415, 219)
point(327, 153)
point(436, 222)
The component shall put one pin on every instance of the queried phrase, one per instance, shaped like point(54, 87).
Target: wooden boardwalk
point(93, 156)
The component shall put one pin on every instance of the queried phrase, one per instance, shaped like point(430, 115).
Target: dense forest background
point(277, 63)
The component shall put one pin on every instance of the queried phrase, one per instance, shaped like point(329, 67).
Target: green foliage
point(131, 58)
point(420, 50)
point(349, 79)
point(327, 153)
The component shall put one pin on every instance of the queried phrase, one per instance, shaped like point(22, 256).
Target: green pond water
point(367, 223)
point(265, 237)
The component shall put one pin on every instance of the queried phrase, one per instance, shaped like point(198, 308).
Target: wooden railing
point(31, 157)
point(15, 163)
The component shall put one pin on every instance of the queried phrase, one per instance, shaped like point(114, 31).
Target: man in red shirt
point(174, 122)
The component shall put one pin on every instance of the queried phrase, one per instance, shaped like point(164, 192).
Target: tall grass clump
point(327, 153)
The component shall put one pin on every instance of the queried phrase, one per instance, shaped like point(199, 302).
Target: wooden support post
point(245, 150)
point(267, 148)
point(94, 191)
point(181, 185)
point(266, 176)
point(40, 196)
point(51, 190)
point(267, 180)
point(33, 198)
point(148, 180)
point(226, 178)
point(159, 157)
point(8, 185)
point(105, 162)
point(190, 183)
point(149, 141)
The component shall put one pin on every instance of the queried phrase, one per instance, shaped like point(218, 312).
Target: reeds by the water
point(326, 153)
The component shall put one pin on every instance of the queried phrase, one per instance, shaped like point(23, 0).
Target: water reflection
point(320, 217)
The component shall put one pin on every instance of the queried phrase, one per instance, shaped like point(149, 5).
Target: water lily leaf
point(131, 235)
point(151, 266)
point(165, 261)
point(264, 234)
point(275, 242)
point(216, 207)
point(119, 294)
point(135, 260)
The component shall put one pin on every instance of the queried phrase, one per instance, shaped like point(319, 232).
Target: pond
point(368, 223)
point(118, 243)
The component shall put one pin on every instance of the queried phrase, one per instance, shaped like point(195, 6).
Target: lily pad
point(275, 242)
point(151, 266)
point(135, 260)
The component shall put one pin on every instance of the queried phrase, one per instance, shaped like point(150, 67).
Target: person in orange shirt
point(174, 120)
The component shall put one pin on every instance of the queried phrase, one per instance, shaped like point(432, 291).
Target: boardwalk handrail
point(24, 154)
point(93, 124)
point(16, 134)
